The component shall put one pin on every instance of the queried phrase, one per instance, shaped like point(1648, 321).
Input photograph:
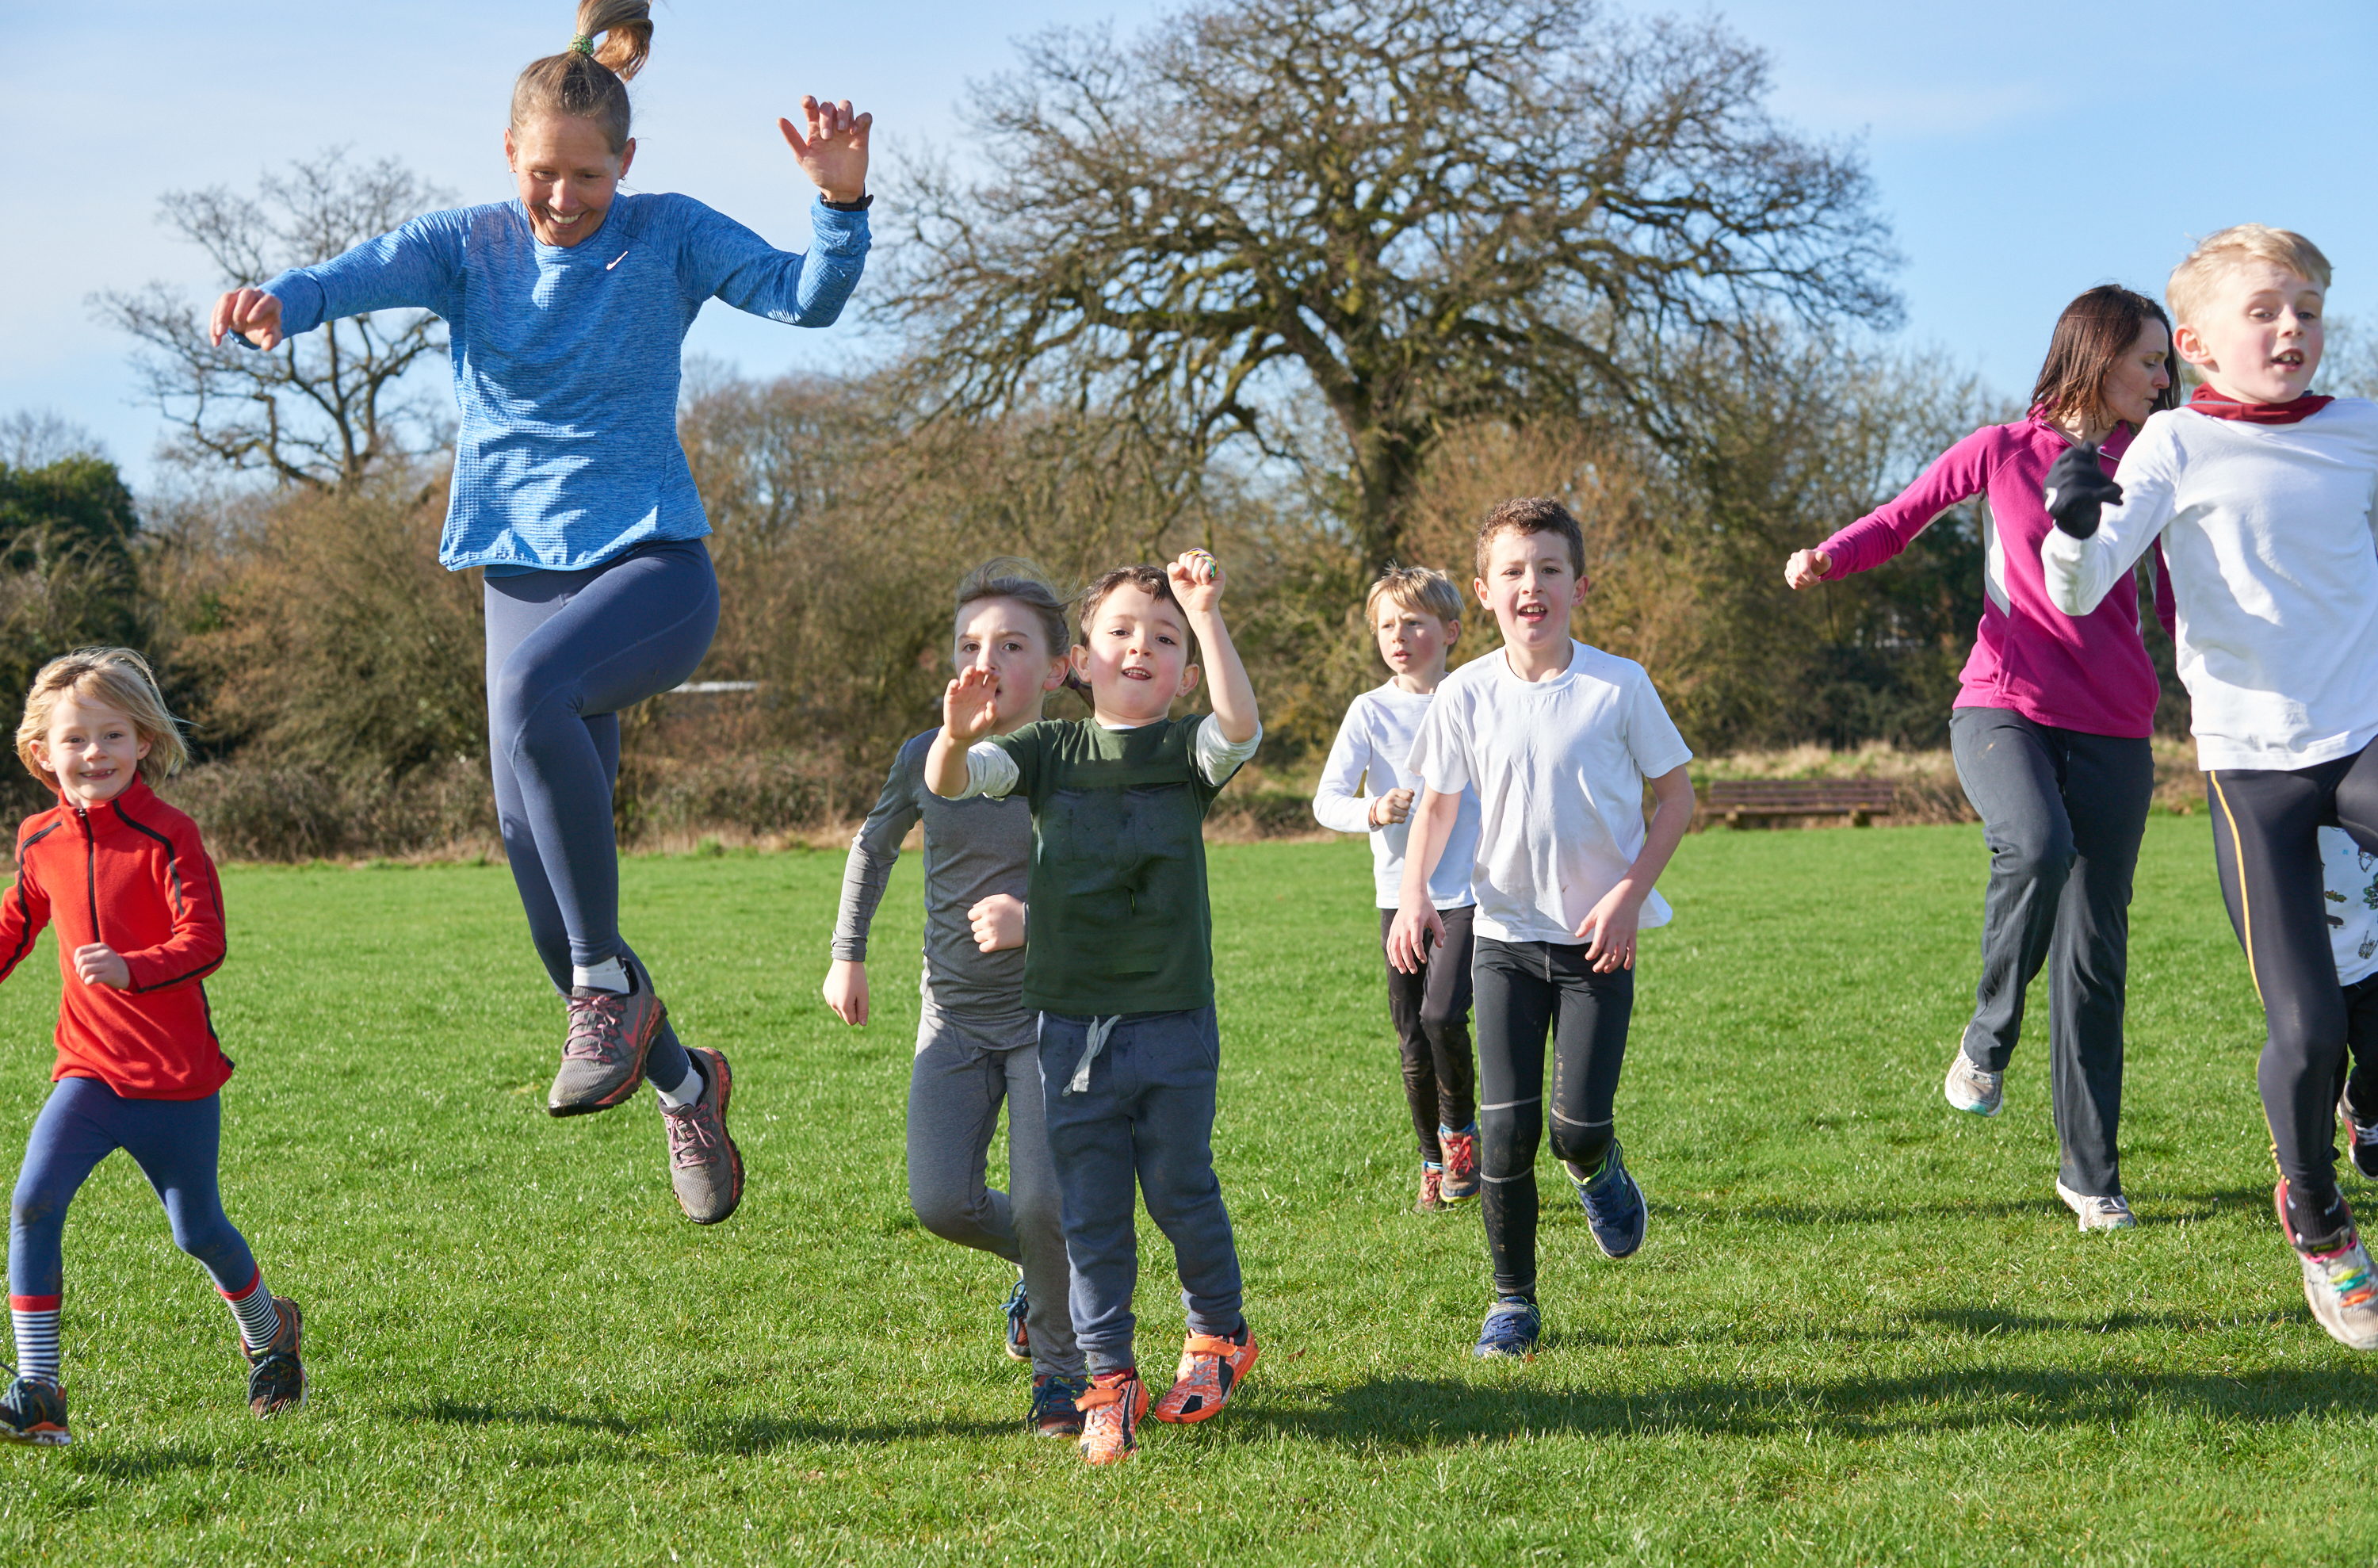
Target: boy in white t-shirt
point(1415, 612)
point(2350, 874)
point(2264, 496)
point(1557, 739)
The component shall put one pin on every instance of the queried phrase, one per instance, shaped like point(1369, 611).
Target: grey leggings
point(955, 1087)
point(566, 652)
point(2062, 813)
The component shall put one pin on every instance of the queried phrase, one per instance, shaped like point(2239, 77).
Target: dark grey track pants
point(2062, 812)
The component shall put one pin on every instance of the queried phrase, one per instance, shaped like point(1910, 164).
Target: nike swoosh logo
point(616, 259)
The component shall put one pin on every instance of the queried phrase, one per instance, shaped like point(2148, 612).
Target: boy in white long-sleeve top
point(1415, 613)
point(2265, 499)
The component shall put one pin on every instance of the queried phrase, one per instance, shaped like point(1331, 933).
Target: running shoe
point(2360, 1140)
point(1513, 1326)
point(2098, 1214)
point(1054, 1412)
point(1614, 1210)
point(1971, 1088)
point(705, 1168)
point(1460, 1149)
point(1211, 1370)
point(1016, 1338)
point(2338, 1282)
point(1432, 1191)
point(34, 1410)
point(1111, 1414)
point(603, 1059)
point(276, 1379)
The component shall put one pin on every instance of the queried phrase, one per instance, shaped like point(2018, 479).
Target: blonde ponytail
point(587, 80)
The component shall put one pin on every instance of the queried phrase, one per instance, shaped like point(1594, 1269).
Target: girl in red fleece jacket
point(140, 916)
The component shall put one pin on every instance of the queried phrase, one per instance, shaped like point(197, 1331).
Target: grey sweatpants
point(955, 1087)
point(2062, 812)
point(1144, 1118)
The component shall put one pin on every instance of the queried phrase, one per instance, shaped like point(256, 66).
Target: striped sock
point(37, 1335)
point(259, 1324)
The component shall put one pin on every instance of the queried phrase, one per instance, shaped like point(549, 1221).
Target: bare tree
point(324, 409)
point(1428, 212)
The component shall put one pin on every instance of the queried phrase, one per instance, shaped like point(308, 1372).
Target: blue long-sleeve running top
point(567, 359)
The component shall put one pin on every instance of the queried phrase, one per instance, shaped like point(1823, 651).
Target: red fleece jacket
point(132, 874)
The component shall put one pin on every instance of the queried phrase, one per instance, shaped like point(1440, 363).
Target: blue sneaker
point(1019, 1343)
point(1614, 1207)
point(1513, 1326)
point(1054, 1413)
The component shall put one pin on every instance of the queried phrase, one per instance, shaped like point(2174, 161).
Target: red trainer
point(1111, 1414)
point(1211, 1370)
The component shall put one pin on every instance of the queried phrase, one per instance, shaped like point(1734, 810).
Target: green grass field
point(1862, 1329)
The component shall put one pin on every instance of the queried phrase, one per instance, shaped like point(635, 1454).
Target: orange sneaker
point(1111, 1413)
point(1211, 1370)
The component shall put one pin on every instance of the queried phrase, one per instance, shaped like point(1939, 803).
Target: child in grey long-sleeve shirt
point(977, 1043)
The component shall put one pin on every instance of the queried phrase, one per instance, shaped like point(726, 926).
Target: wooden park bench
point(1743, 800)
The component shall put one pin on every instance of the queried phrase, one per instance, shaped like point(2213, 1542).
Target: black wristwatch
point(862, 205)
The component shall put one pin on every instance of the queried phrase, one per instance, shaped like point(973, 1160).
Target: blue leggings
point(174, 1142)
point(566, 652)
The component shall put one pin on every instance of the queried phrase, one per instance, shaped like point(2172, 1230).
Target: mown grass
point(1862, 1328)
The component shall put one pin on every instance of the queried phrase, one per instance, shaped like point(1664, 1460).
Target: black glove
point(2077, 490)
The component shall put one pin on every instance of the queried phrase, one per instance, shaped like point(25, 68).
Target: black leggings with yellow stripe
point(2265, 835)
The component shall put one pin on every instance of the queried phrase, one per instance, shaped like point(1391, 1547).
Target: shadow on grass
point(2192, 1206)
point(1427, 1413)
point(751, 1434)
point(139, 1464)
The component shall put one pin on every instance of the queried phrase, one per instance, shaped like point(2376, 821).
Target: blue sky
point(2021, 151)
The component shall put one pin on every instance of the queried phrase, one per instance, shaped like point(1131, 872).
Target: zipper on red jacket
point(89, 870)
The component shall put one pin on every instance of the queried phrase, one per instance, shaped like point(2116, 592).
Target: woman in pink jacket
point(2050, 733)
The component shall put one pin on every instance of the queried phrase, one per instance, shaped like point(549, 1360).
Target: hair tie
point(583, 44)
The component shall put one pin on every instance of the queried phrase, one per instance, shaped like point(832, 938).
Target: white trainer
point(1971, 1088)
point(2098, 1214)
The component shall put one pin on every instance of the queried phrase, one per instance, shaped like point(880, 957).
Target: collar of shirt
point(2209, 401)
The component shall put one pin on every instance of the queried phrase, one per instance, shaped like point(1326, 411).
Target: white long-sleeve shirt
point(1367, 760)
point(2270, 532)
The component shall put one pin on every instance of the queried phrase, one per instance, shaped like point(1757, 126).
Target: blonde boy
point(1415, 614)
point(2264, 496)
point(1557, 739)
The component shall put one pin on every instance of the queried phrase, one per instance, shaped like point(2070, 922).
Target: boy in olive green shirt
point(1119, 960)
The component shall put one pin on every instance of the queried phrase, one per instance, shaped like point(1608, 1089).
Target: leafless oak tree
point(323, 410)
point(1426, 210)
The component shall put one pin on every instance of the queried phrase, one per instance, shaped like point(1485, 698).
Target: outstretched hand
point(250, 312)
point(834, 153)
point(2077, 490)
point(971, 705)
point(1196, 579)
point(1807, 568)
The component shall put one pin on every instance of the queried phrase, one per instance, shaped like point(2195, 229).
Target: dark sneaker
point(33, 1410)
point(1054, 1413)
point(1460, 1149)
point(1511, 1332)
point(1614, 1207)
point(276, 1379)
point(1016, 1338)
point(2360, 1140)
point(1432, 1191)
point(705, 1168)
point(1111, 1413)
point(1211, 1370)
point(2338, 1283)
point(603, 1059)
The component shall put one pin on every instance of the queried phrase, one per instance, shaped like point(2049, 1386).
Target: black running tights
point(1525, 990)
point(2265, 837)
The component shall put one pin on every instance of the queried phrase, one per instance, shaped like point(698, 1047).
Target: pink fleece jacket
point(2090, 673)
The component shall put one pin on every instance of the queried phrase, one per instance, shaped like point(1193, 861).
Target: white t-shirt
point(1560, 766)
point(2351, 874)
point(2272, 536)
point(1366, 762)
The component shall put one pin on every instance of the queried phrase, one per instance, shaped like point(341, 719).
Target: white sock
point(609, 975)
point(685, 1093)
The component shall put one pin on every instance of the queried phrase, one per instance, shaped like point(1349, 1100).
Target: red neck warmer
point(2206, 401)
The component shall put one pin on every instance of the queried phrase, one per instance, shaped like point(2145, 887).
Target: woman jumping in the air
point(2050, 733)
point(568, 308)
